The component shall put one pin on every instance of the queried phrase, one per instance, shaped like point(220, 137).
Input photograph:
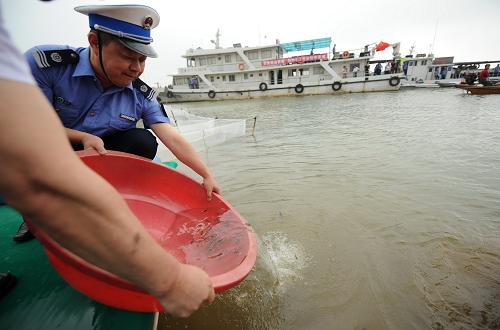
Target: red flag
point(381, 46)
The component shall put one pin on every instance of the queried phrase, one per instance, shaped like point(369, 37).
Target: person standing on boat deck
point(393, 67)
point(483, 76)
point(497, 70)
point(355, 71)
point(344, 72)
point(367, 69)
point(387, 68)
point(195, 83)
point(378, 69)
point(71, 203)
point(98, 95)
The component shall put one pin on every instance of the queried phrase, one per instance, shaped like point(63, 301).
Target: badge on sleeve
point(50, 58)
point(145, 90)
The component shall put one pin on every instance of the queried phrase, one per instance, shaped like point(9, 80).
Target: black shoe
point(7, 282)
point(23, 233)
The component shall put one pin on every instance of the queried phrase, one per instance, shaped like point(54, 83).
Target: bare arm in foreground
point(45, 180)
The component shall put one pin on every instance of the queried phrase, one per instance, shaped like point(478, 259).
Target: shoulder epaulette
point(145, 90)
point(51, 58)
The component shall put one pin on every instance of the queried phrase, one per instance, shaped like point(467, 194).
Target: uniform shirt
point(82, 104)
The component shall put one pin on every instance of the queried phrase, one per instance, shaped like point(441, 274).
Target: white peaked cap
point(130, 23)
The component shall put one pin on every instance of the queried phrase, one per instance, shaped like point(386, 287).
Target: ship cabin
point(426, 67)
point(240, 68)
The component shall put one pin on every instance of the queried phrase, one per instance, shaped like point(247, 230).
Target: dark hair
point(105, 37)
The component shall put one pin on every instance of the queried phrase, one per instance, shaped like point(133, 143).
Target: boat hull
point(359, 85)
point(480, 90)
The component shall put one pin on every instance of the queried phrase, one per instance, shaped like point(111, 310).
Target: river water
point(372, 211)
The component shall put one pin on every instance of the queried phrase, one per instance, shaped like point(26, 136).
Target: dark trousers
point(137, 141)
point(485, 82)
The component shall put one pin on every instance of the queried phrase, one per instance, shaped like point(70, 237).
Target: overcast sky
point(467, 30)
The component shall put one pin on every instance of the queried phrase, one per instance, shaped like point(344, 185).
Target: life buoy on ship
point(241, 66)
point(345, 54)
point(336, 85)
point(211, 94)
point(394, 81)
point(299, 88)
point(170, 94)
point(263, 86)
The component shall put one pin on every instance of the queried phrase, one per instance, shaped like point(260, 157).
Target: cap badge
point(144, 88)
point(148, 22)
point(56, 57)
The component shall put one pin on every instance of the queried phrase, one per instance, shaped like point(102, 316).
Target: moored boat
point(427, 71)
point(480, 90)
point(281, 69)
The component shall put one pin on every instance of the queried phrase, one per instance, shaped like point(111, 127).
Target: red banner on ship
point(296, 59)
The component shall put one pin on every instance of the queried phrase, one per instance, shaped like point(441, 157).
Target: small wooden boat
point(480, 90)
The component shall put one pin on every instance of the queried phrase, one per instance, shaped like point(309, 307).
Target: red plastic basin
point(174, 210)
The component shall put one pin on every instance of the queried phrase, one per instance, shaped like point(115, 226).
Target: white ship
point(425, 70)
point(283, 69)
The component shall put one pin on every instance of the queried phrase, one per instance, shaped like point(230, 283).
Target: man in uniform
point(98, 95)
point(71, 203)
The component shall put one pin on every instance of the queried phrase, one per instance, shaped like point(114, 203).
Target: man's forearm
point(181, 148)
point(46, 181)
point(75, 136)
point(98, 226)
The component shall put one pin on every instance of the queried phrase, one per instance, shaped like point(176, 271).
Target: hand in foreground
point(192, 288)
point(210, 186)
point(94, 142)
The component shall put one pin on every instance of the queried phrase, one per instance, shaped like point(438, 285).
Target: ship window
point(211, 60)
point(260, 74)
point(245, 76)
point(227, 58)
point(292, 73)
point(251, 75)
point(180, 81)
point(318, 70)
point(203, 61)
point(266, 54)
point(424, 62)
point(212, 79)
point(218, 77)
point(304, 72)
point(223, 78)
point(231, 77)
point(253, 55)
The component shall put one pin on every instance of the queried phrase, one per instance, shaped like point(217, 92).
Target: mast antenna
point(431, 51)
point(216, 41)
point(412, 48)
